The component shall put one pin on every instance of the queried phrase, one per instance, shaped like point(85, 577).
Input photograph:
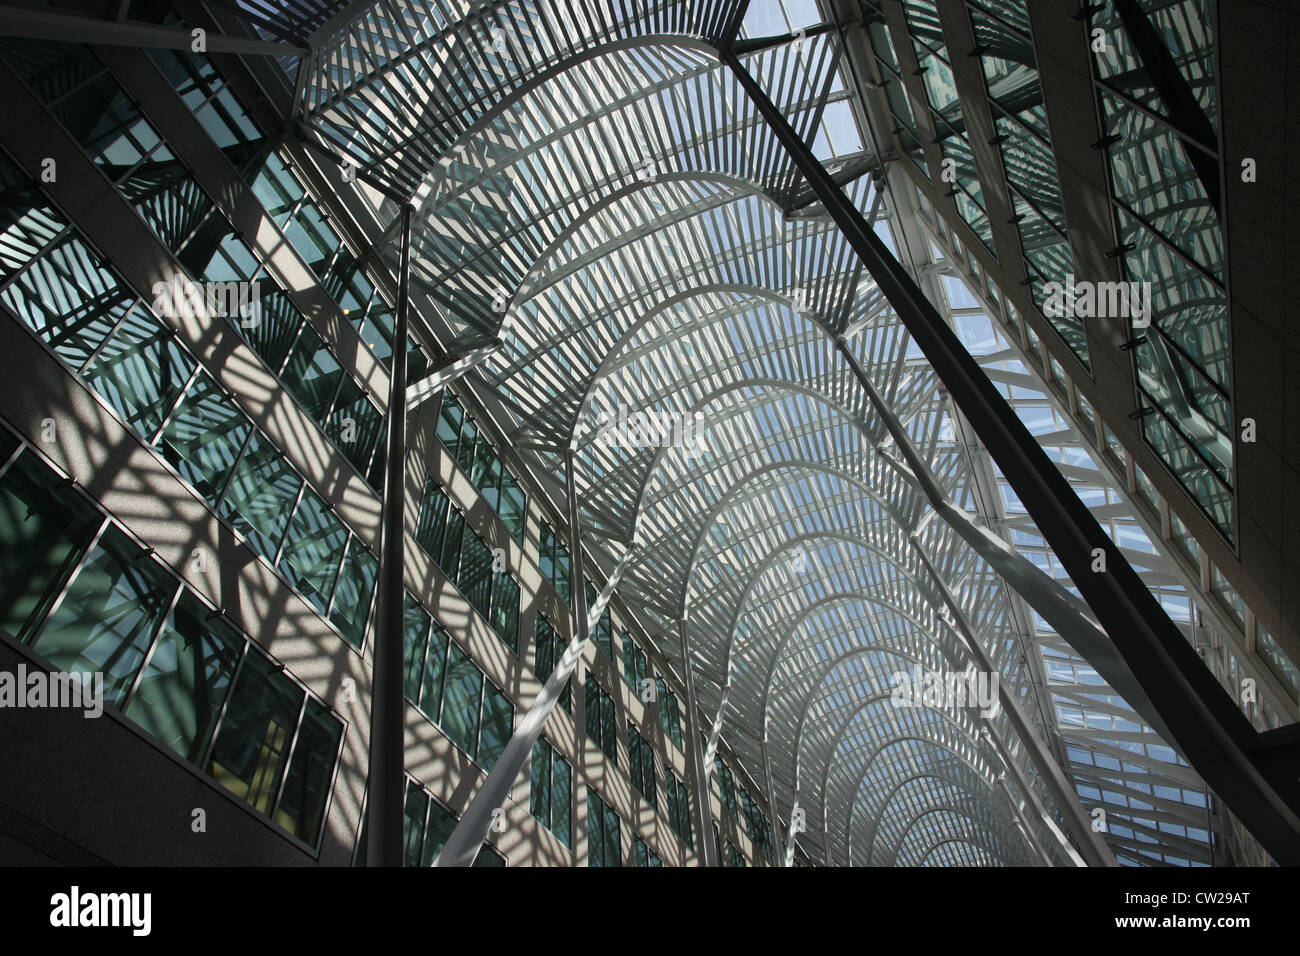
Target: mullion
point(153, 645)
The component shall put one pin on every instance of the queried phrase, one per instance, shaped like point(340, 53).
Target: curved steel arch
point(851, 805)
point(962, 841)
point(995, 851)
point(930, 773)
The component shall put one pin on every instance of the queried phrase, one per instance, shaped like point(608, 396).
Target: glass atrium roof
point(594, 188)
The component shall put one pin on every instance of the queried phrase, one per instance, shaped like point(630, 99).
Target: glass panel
point(107, 619)
point(307, 787)
point(613, 848)
point(441, 823)
point(475, 578)
point(561, 790)
point(449, 422)
point(187, 677)
point(593, 710)
point(312, 375)
point(498, 725)
point(513, 506)
point(248, 756)
point(277, 189)
point(312, 549)
point(415, 634)
point(43, 534)
point(434, 668)
point(276, 329)
point(355, 588)
point(463, 689)
point(141, 372)
point(432, 527)
point(417, 808)
point(505, 608)
point(203, 439)
point(261, 494)
point(608, 731)
point(354, 425)
point(540, 782)
point(466, 449)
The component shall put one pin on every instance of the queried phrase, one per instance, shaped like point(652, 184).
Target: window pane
point(505, 608)
point(306, 789)
point(354, 425)
point(415, 640)
point(475, 578)
point(355, 587)
point(466, 449)
point(417, 807)
point(109, 615)
point(187, 677)
point(441, 823)
point(512, 506)
point(613, 848)
point(449, 422)
point(313, 547)
point(312, 375)
point(449, 560)
point(43, 533)
point(561, 798)
point(433, 519)
point(248, 756)
point(498, 725)
point(460, 711)
point(593, 710)
point(204, 437)
point(434, 668)
point(141, 372)
point(540, 782)
point(261, 494)
point(609, 735)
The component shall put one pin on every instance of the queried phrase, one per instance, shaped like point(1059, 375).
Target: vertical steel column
point(707, 853)
point(387, 701)
point(1205, 723)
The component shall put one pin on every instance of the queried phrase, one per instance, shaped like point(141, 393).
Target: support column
point(707, 853)
point(387, 791)
point(467, 838)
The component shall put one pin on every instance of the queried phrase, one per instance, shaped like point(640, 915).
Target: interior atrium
point(742, 433)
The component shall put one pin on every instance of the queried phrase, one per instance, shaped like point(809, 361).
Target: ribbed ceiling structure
point(594, 188)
